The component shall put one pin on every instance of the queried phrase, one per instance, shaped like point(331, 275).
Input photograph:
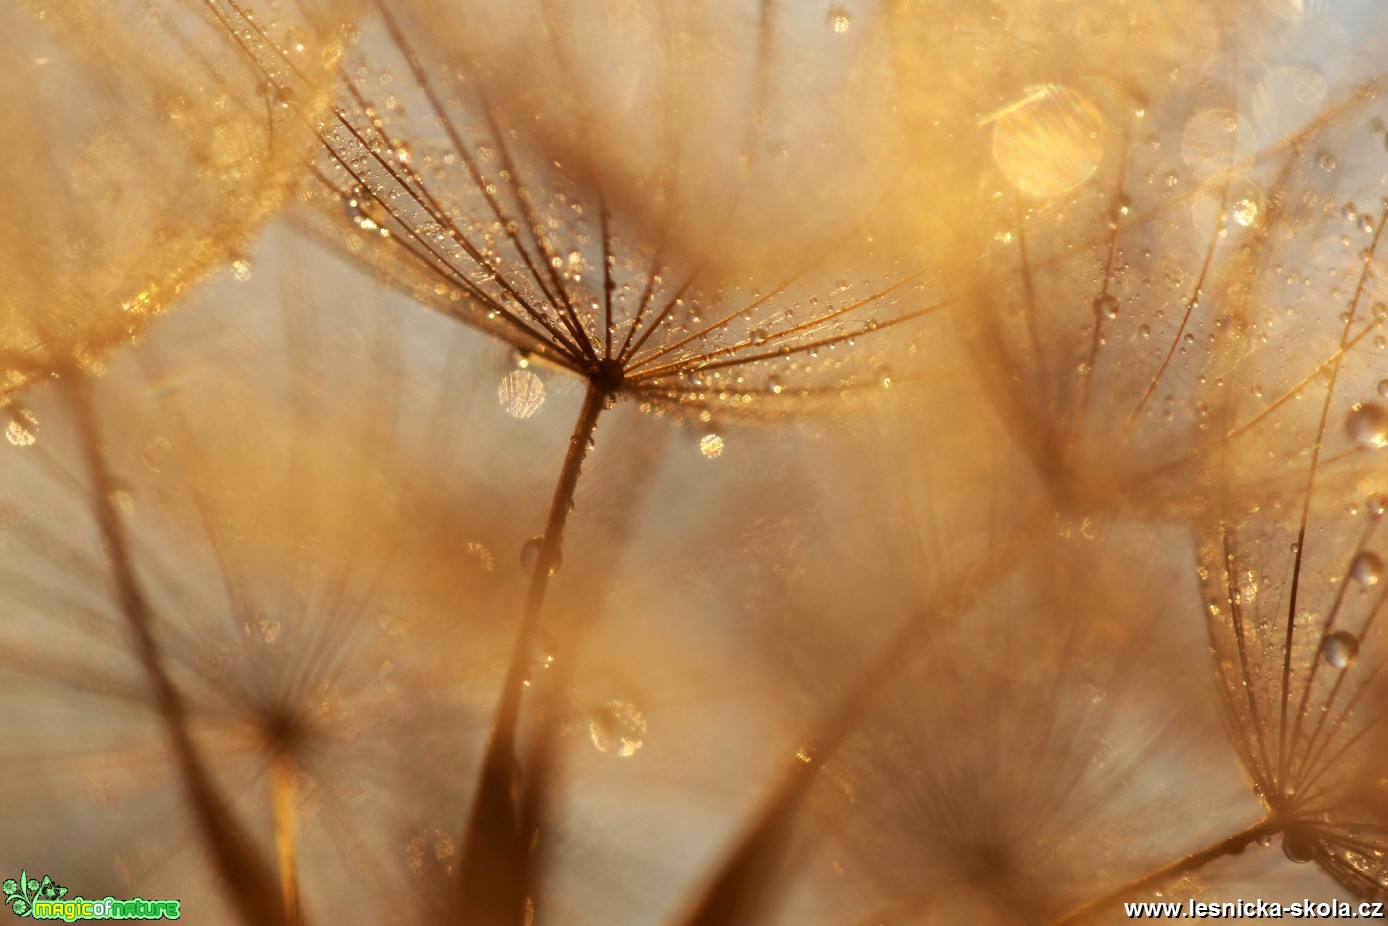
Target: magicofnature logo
point(45, 899)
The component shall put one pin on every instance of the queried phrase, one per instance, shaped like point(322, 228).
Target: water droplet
point(530, 556)
point(617, 728)
point(1383, 387)
point(1106, 305)
point(521, 393)
point(759, 336)
point(711, 446)
point(1340, 648)
point(1299, 845)
point(284, 97)
point(1368, 425)
point(839, 20)
point(1244, 211)
point(1047, 142)
point(520, 357)
point(1367, 569)
point(774, 385)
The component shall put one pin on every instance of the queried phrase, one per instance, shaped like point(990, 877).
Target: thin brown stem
point(740, 888)
point(284, 795)
point(245, 876)
point(1233, 845)
point(494, 874)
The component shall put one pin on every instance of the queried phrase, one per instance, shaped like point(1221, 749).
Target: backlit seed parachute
point(1299, 653)
point(993, 87)
point(1154, 212)
point(1189, 295)
point(984, 785)
point(1295, 598)
point(434, 176)
point(143, 148)
point(1293, 549)
point(317, 601)
point(983, 684)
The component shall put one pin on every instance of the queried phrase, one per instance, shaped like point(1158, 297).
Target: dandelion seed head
point(558, 257)
point(145, 184)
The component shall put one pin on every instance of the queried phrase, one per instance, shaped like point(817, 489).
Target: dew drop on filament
point(1339, 649)
point(1366, 569)
point(1368, 425)
point(1299, 845)
point(530, 556)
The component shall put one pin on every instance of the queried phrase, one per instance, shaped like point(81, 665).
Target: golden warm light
point(741, 463)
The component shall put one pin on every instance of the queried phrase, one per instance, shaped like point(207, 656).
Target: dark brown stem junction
point(497, 843)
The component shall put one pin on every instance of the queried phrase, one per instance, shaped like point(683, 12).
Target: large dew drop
point(530, 556)
point(1299, 845)
point(1340, 648)
point(1368, 425)
point(1047, 142)
point(1367, 569)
